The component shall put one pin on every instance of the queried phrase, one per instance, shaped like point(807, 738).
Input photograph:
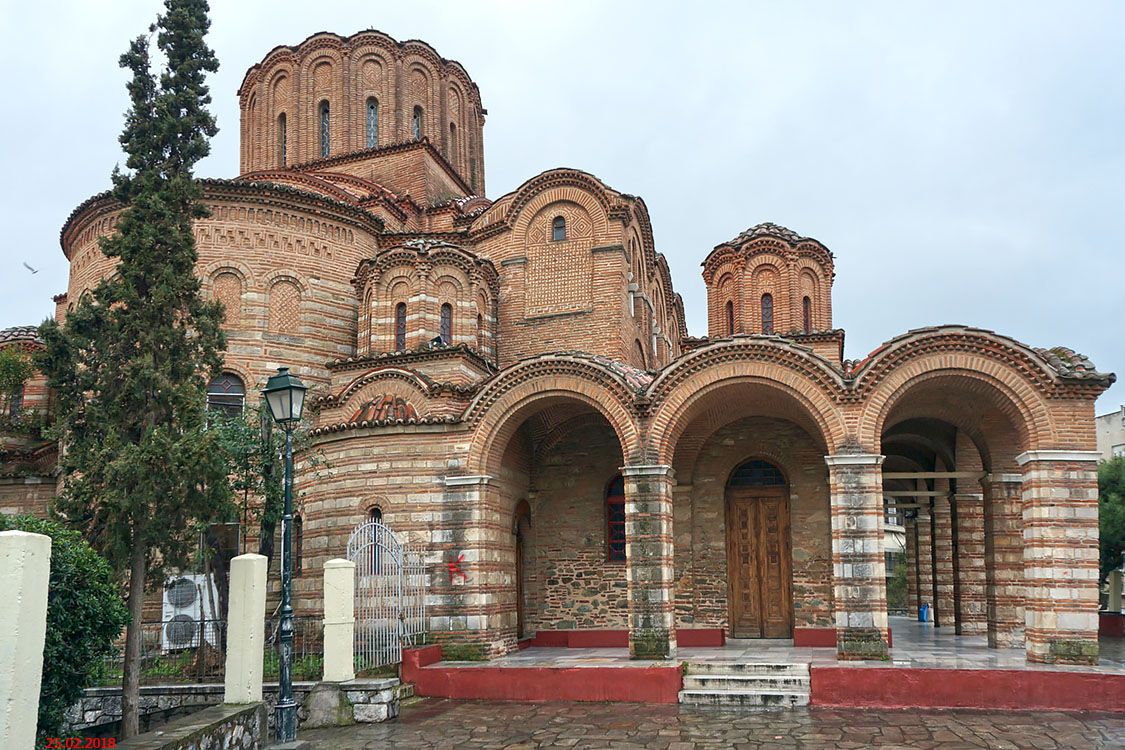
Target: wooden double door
point(759, 562)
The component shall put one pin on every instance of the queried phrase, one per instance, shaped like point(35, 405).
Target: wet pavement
point(438, 723)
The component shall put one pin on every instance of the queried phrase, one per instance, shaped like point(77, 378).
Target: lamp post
point(285, 395)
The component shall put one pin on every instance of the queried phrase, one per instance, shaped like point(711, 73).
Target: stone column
point(943, 558)
point(246, 629)
point(972, 616)
point(649, 561)
point(1003, 554)
point(1060, 525)
point(25, 572)
point(859, 570)
point(339, 620)
point(911, 526)
point(924, 556)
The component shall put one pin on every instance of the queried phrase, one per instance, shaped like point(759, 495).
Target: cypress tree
point(129, 368)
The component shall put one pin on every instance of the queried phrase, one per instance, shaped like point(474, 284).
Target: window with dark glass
point(400, 327)
point(416, 123)
point(480, 332)
point(375, 515)
point(806, 315)
point(298, 544)
point(281, 138)
point(452, 141)
point(730, 318)
point(558, 229)
point(615, 520)
point(755, 473)
point(372, 123)
point(226, 394)
point(767, 313)
point(324, 148)
point(446, 330)
point(15, 402)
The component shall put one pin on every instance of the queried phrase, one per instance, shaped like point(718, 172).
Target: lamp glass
point(285, 395)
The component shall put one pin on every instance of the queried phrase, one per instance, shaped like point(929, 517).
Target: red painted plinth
point(1111, 624)
point(966, 688)
point(700, 637)
point(822, 637)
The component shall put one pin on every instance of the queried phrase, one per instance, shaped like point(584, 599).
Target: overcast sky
point(965, 162)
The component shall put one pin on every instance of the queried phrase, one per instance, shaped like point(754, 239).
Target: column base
point(1082, 651)
point(653, 643)
point(861, 644)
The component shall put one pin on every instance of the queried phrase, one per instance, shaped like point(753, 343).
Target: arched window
point(755, 473)
point(730, 318)
point(375, 515)
point(806, 315)
point(400, 327)
point(558, 229)
point(416, 123)
point(767, 313)
point(298, 544)
point(615, 520)
point(226, 394)
point(452, 141)
point(15, 402)
point(281, 138)
point(324, 149)
point(372, 122)
point(446, 330)
point(480, 332)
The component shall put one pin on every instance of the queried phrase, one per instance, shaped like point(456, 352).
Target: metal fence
point(390, 596)
point(190, 652)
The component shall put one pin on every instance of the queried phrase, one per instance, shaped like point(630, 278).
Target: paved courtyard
point(437, 723)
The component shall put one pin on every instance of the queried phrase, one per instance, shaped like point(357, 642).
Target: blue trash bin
point(924, 613)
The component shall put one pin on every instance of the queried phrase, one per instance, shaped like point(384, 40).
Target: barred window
point(226, 394)
point(416, 123)
point(324, 147)
point(400, 326)
point(615, 520)
point(757, 473)
point(372, 122)
point(730, 318)
point(446, 331)
point(767, 313)
point(281, 138)
point(806, 315)
point(558, 229)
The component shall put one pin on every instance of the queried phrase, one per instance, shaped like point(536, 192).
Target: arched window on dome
point(806, 315)
point(281, 138)
point(416, 123)
point(400, 327)
point(480, 332)
point(324, 130)
point(615, 520)
point(730, 318)
point(372, 129)
point(558, 229)
point(226, 394)
point(446, 330)
point(767, 313)
point(452, 141)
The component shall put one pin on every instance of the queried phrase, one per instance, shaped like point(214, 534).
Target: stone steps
point(747, 686)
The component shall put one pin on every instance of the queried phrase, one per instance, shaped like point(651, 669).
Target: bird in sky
point(33, 270)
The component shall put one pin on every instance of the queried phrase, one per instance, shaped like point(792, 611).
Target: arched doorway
point(759, 559)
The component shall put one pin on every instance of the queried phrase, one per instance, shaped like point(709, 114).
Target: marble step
point(748, 668)
point(743, 698)
point(738, 682)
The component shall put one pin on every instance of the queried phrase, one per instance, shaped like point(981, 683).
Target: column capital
point(855, 459)
point(1057, 455)
point(468, 481)
point(648, 470)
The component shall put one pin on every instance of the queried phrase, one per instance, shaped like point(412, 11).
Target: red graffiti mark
point(455, 569)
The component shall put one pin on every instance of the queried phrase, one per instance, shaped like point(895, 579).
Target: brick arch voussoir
point(674, 409)
point(498, 421)
point(1020, 397)
point(595, 208)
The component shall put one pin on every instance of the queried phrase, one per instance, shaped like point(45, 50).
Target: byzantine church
point(509, 384)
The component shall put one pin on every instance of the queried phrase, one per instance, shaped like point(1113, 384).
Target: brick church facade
point(509, 382)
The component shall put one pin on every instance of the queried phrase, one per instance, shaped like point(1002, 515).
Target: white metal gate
point(390, 595)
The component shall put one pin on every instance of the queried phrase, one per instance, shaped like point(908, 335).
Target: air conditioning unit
point(188, 614)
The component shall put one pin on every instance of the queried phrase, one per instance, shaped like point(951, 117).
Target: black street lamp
point(285, 395)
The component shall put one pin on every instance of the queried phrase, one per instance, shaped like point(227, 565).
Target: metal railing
point(188, 651)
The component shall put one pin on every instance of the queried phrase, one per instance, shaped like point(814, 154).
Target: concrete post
point(1060, 555)
point(649, 561)
point(339, 620)
point(25, 570)
point(858, 566)
point(246, 629)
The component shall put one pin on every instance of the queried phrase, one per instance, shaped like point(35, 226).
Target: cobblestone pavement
point(438, 723)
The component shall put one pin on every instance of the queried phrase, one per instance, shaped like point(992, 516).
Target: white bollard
point(339, 620)
point(246, 629)
point(25, 571)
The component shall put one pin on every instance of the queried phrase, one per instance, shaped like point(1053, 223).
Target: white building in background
point(1111, 433)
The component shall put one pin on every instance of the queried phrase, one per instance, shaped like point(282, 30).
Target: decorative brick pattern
point(1003, 535)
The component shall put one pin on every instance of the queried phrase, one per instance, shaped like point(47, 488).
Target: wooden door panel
point(759, 564)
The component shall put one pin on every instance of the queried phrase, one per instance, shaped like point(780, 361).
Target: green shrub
point(84, 616)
